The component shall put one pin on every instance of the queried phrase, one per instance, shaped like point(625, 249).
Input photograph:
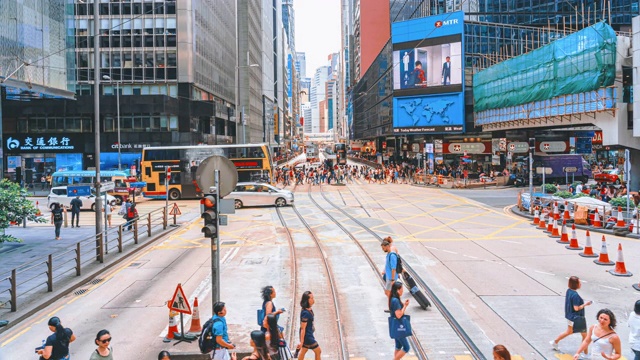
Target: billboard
point(428, 74)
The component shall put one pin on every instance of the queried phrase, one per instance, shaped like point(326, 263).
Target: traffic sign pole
point(627, 176)
point(215, 246)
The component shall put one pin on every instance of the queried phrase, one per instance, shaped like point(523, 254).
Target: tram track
point(344, 354)
point(453, 323)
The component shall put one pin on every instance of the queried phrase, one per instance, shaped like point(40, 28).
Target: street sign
point(168, 173)
point(227, 206)
point(627, 163)
point(175, 210)
point(107, 186)
point(570, 169)
point(545, 170)
point(224, 221)
point(518, 147)
point(179, 301)
point(73, 191)
point(228, 174)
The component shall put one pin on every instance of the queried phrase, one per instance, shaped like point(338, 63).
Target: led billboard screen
point(429, 114)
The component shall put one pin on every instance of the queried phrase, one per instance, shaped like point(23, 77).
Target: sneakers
point(554, 345)
point(583, 356)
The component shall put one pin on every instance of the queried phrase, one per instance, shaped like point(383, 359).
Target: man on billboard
point(446, 71)
point(417, 76)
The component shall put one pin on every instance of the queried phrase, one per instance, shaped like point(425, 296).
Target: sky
point(317, 30)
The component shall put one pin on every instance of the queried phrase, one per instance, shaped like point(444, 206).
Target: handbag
point(579, 325)
point(400, 328)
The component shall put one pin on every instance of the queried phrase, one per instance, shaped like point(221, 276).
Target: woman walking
point(103, 352)
point(634, 330)
point(258, 343)
point(307, 340)
point(397, 309)
point(573, 312)
point(605, 342)
point(132, 214)
point(268, 306)
point(56, 346)
point(57, 215)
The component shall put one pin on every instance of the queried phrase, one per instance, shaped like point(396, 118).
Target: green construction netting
point(581, 62)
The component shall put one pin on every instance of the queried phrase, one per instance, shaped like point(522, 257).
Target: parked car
point(257, 194)
point(609, 176)
point(58, 195)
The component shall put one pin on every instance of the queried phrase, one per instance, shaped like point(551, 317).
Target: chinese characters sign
point(29, 143)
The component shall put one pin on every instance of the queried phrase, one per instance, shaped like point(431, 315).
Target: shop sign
point(428, 148)
point(438, 145)
point(31, 143)
point(518, 147)
point(597, 138)
point(13, 162)
point(415, 147)
point(553, 146)
point(129, 146)
point(461, 148)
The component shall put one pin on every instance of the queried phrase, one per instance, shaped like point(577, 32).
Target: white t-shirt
point(634, 331)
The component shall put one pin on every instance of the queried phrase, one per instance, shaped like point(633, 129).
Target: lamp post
point(243, 118)
point(106, 77)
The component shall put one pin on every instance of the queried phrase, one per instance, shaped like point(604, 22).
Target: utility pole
point(96, 122)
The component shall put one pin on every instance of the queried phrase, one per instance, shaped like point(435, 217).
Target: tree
point(14, 207)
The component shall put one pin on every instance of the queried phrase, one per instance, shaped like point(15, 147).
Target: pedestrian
point(104, 351)
point(164, 355)
point(573, 312)
point(108, 209)
point(268, 306)
point(43, 182)
point(56, 346)
point(397, 309)
point(272, 336)
point(605, 341)
point(258, 343)
point(132, 214)
point(307, 329)
point(57, 215)
point(221, 334)
point(501, 353)
point(76, 204)
point(634, 330)
point(391, 262)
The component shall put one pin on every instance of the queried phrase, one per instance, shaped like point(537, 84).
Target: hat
point(385, 243)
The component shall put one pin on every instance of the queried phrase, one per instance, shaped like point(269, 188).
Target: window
point(173, 123)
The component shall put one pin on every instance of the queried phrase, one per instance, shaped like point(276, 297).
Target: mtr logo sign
point(441, 23)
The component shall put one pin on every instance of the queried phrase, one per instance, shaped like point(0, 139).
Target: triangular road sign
point(179, 302)
point(175, 210)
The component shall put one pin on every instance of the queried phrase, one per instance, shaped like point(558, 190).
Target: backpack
point(399, 268)
point(207, 341)
point(57, 216)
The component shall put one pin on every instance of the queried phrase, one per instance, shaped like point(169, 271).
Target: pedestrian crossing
point(455, 357)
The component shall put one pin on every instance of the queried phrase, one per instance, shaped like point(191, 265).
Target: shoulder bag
point(399, 328)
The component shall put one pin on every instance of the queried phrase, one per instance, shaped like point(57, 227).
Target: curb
point(581, 227)
point(81, 281)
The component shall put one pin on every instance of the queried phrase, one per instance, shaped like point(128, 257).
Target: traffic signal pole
point(215, 245)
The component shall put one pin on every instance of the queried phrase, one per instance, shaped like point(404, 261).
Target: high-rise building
point(369, 33)
point(301, 64)
point(318, 94)
point(289, 23)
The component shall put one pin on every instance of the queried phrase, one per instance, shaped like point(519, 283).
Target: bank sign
point(42, 143)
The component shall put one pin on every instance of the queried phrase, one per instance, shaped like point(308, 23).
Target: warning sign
point(175, 210)
point(179, 302)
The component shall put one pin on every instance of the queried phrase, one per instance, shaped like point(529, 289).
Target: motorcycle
point(520, 181)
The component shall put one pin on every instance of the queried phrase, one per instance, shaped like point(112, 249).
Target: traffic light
point(209, 214)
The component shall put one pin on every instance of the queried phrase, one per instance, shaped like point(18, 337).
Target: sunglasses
point(105, 340)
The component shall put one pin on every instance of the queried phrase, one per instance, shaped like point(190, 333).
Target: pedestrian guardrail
point(55, 268)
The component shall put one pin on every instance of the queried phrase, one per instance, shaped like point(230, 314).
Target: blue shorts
point(403, 344)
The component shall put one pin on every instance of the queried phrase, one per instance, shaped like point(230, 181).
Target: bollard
point(64, 211)
point(14, 291)
point(50, 273)
point(78, 262)
point(120, 228)
point(164, 219)
point(135, 231)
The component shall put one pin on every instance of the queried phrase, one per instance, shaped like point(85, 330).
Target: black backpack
point(207, 341)
point(57, 216)
point(399, 268)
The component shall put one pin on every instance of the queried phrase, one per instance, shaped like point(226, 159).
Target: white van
point(58, 195)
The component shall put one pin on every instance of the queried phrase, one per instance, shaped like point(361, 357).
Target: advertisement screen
point(429, 114)
point(427, 69)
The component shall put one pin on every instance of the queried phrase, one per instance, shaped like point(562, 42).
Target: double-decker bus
point(341, 153)
point(253, 162)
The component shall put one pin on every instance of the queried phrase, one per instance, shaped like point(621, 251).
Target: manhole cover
point(95, 281)
point(80, 292)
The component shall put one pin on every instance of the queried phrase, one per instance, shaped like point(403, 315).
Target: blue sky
point(317, 30)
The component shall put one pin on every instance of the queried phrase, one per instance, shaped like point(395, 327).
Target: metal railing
point(55, 268)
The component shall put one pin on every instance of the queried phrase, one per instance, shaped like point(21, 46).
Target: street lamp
point(240, 98)
point(107, 77)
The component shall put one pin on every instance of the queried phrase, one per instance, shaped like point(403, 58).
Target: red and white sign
point(597, 138)
point(468, 148)
point(168, 173)
point(179, 301)
point(553, 146)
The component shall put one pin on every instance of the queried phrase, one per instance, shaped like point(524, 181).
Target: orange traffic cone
point(620, 269)
point(567, 214)
point(38, 213)
point(556, 212)
point(554, 231)
point(564, 237)
point(550, 223)
point(604, 255)
point(542, 224)
point(195, 328)
point(536, 217)
point(596, 220)
point(173, 326)
point(573, 244)
point(588, 250)
point(620, 222)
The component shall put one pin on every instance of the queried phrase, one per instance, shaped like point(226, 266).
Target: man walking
point(76, 204)
point(390, 266)
point(221, 334)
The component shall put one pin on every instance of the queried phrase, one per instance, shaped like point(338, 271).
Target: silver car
point(257, 194)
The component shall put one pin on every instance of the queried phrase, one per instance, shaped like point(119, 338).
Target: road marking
point(471, 257)
point(609, 287)
point(545, 273)
point(512, 242)
point(450, 252)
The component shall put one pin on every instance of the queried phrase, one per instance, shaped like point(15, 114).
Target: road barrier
point(59, 268)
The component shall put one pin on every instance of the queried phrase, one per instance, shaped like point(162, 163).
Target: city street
point(502, 280)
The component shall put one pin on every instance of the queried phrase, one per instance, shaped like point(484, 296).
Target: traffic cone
point(588, 250)
point(620, 269)
point(573, 244)
point(564, 237)
point(596, 220)
point(38, 212)
point(173, 326)
point(550, 224)
point(542, 223)
point(195, 328)
point(536, 217)
point(556, 211)
point(567, 214)
point(604, 256)
point(554, 231)
point(620, 222)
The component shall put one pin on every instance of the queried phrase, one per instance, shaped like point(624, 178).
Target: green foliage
point(14, 207)
point(550, 189)
point(575, 183)
point(563, 194)
point(621, 201)
point(579, 195)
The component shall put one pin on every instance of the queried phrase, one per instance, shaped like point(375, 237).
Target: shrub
point(15, 207)
point(621, 201)
point(550, 189)
point(563, 194)
point(579, 195)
